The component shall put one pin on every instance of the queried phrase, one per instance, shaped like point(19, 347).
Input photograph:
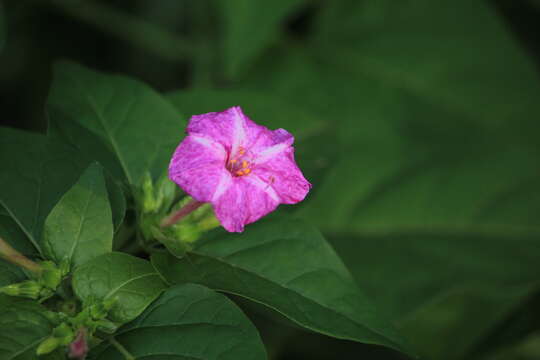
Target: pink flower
point(79, 347)
point(243, 169)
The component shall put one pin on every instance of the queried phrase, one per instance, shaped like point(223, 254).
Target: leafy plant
point(413, 122)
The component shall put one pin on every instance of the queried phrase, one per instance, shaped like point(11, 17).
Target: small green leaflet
point(79, 227)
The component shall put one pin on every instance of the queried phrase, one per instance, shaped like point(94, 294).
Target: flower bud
point(149, 203)
point(79, 347)
point(48, 345)
point(165, 193)
point(28, 288)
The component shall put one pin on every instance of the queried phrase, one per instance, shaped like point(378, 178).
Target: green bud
point(48, 345)
point(28, 288)
point(149, 203)
point(97, 311)
point(195, 224)
point(107, 326)
point(165, 193)
point(51, 276)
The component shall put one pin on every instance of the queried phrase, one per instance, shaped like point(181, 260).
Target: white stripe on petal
point(270, 152)
point(239, 130)
point(210, 144)
point(224, 183)
point(263, 186)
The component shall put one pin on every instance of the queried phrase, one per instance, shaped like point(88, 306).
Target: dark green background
point(416, 121)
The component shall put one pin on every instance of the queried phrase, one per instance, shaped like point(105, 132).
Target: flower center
point(239, 165)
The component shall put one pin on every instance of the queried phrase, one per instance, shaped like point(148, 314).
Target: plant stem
point(13, 256)
point(178, 215)
point(121, 349)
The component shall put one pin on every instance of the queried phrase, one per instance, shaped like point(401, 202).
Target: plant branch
point(13, 256)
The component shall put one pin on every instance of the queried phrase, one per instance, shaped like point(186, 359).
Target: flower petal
point(246, 200)
point(228, 127)
point(280, 171)
point(197, 166)
point(267, 139)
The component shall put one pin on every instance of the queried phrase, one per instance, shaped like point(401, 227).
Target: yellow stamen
point(239, 173)
point(233, 161)
point(247, 171)
point(244, 164)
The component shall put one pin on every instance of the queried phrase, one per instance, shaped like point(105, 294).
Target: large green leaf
point(22, 328)
point(79, 228)
point(36, 172)
point(435, 284)
point(313, 136)
point(132, 281)
point(188, 322)
point(136, 124)
point(287, 266)
point(249, 27)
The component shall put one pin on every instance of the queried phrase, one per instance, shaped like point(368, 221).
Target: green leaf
point(287, 266)
point(443, 282)
point(249, 27)
point(313, 135)
point(22, 328)
point(130, 280)
point(36, 172)
point(135, 122)
point(79, 228)
point(188, 322)
point(10, 274)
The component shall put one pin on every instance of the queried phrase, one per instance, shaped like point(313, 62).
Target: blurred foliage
point(416, 121)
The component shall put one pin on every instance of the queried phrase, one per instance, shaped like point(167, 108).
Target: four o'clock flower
point(243, 169)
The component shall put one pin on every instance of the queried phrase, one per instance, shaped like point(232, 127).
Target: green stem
point(13, 256)
point(140, 33)
point(121, 349)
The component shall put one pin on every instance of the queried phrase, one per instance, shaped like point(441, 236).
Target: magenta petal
point(197, 166)
point(245, 201)
point(234, 129)
point(282, 173)
point(228, 127)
